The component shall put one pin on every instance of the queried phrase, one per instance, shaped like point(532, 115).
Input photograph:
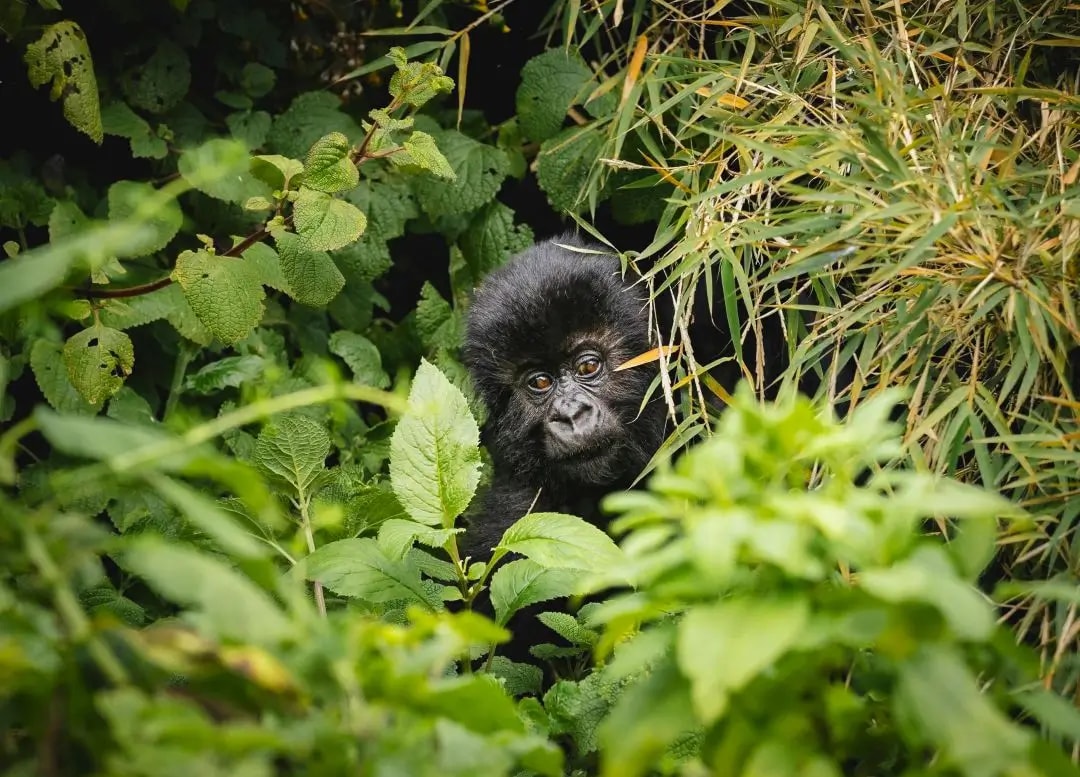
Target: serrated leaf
point(563, 165)
point(365, 260)
point(566, 626)
point(480, 170)
point(362, 356)
point(358, 568)
point(312, 277)
point(129, 406)
point(275, 170)
point(61, 55)
point(293, 448)
point(117, 118)
point(490, 240)
point(562, 542)
point(434, 453)
point(327, 167)
point(161, 82)
point(98, 360)
point(524, 582)
point(267, 265)
point(168, 303)
point(309, 117)
point(50, 372)
point(108, 599)
point(219, 168)
point(420, 151)
point(722, 647)
point(161, 227)
point(228, 604)
point(551, 82)
point(388, 203)
point(437, 323)
point(396, 536)
point(224, 293)
point(518, 678)
point(326, 222)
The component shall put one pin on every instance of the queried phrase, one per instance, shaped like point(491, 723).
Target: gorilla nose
point(573, 418)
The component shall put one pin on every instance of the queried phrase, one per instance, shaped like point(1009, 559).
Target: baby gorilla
point(545, 334)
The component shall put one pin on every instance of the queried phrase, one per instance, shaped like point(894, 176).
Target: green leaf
point(437, 323)
point(420, 151)
point(209, 517)
point(257, 79)
point(567, 626)
point(309, 117)
point(415, 83)
point(490, 240)
point(524, 582)
point(434, 453)
point(564, 163)
point(645, 721)
point(105, 598)
point(358, 568)
point(518, 679)
point(562, 542)
point(61, 55)
point(226, 603)
point(326, 222)
point(293, 448)
point(225, 293)
point(389, 204)
point(125, 198)
point(362, 356)
point(723, 647)
point(477, 702)
point(118, 119)
point(66, 220)
point(275, 170)
point(480, 170)
point(312, 277)
point(50, 372)
point(229, 372)
point(161, 82)
point(551, 82)
point(98, 360)
point(219, 168)
point(396, 536)
point(928, 577)
point(249, 127)
point(937, 697)
point(328, 167)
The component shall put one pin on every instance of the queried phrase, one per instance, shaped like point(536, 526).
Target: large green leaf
point(562, 542)
point(328, 167)
point(293, 448)
point(225, 293)
point(125, 199)
point(61, 55)
point(358, 568)
point(325, 222)
point(480, 170)
point(524, 582)
point(311, 276)
point(434, 453)
point(98, 360)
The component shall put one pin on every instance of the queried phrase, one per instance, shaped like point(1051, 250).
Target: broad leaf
point(225, 602)
point(312, 277)
point(723, 647)
point(98, 360)
point(434, 453)
point(550, 83)
point(480, 170)
point(358, 568)
point(50, 372)
point(219, 168)
point(420, 151)
point(562, 542)
point(362, 356)
point(126, 200)
point(396, 536)
point(293, 448)
point(224, 293)
point(328, 167)
point(326, 222)
point(524, 582)
point(477, 702)
point(62, 56)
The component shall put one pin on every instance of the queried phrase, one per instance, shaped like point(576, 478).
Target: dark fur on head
point(547, 302)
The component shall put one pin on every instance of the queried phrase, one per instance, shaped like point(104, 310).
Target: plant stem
point(309, 536)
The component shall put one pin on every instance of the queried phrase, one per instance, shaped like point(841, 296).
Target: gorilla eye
point(540, 382)
point(588, 365)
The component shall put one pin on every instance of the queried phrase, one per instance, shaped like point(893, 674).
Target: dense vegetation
point(238, 443)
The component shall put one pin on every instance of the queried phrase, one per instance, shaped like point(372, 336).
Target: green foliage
point(61, 56)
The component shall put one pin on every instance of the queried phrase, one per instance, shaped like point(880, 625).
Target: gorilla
point(544, 336)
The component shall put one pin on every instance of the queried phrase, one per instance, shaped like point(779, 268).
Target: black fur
point(535, 313)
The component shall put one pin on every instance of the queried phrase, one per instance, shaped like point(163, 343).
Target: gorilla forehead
point(546, 298)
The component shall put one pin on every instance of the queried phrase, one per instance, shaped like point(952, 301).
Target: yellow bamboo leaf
point(462, 75)
point(729, 100)
point(633, 70)
point(649, 356)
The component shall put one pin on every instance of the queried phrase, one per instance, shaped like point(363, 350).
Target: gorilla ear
point(654, 355)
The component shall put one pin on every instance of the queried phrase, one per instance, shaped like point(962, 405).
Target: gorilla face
point(545, 334)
